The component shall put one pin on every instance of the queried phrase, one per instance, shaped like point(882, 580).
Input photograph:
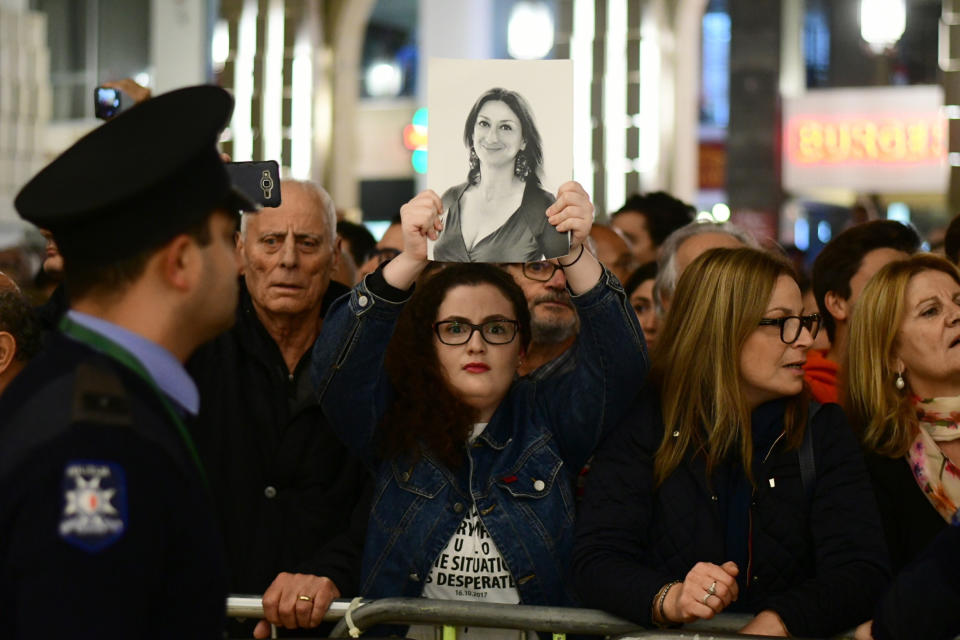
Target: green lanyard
point(124, 357)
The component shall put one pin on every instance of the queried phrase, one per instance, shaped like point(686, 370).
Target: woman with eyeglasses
point(724, 489)
point(474, 466)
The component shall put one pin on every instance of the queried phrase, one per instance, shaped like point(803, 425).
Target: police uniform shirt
point(105, 526)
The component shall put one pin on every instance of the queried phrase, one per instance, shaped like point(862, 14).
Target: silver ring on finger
point(713, 589)
point(707, 597)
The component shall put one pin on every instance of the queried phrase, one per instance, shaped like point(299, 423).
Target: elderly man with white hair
point(284, 486)
point(685, 245)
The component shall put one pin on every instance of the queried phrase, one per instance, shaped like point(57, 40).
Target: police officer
point(105, 523)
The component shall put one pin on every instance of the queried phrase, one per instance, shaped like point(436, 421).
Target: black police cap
point(138, 180)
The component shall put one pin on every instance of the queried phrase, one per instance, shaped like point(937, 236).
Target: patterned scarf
point(938, 477)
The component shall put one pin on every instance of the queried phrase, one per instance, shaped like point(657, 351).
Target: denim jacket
point(520, 470)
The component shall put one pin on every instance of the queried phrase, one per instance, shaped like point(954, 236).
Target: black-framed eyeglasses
point(791, 326)
point(456, 332)
point(540, 271)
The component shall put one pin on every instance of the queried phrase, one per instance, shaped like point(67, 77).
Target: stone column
point(753, 162)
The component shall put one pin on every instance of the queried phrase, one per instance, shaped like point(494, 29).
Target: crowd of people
point(220, 398)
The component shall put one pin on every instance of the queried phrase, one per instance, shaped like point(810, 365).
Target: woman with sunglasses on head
point(474, 467)
point(724, 489)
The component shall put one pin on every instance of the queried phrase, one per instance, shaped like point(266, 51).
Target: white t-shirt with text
point(470, 567)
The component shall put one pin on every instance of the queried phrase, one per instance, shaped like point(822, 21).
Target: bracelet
point(662, 597)
point(564, 266)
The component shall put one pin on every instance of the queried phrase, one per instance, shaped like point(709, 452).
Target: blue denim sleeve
point(585, 403)
point(347, 365)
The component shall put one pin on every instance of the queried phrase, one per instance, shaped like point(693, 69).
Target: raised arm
point(348, 355)
point(611, 354)
point(572, 211)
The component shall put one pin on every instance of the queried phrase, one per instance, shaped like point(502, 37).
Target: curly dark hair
point(425, 412)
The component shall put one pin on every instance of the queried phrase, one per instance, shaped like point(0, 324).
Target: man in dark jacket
point(284, 485)
point(104, 513)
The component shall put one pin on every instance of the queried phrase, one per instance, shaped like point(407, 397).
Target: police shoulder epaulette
point(99, 396)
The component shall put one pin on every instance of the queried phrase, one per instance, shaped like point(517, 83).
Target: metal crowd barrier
point(450, 614)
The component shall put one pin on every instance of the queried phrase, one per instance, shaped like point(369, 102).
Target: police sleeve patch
point(94, 512)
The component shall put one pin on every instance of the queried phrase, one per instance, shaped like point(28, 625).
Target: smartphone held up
point(259, 181)
point(106, 102)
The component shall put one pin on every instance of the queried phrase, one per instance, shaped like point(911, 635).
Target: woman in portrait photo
point(498, 214)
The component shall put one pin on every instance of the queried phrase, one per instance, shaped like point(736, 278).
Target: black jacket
point(70, 417)
point(286, 490)
point(909, 520)
point(922, 601)
point(820, 565)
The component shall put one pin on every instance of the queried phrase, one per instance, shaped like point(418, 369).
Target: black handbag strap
point(808, 464)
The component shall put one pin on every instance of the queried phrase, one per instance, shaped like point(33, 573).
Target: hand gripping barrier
point(452, 613)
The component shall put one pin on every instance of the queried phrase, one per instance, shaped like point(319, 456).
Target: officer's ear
point(8, 350)
point(180, 262)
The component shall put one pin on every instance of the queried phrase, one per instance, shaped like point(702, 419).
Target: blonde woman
point(718, 492)
point(903, 397)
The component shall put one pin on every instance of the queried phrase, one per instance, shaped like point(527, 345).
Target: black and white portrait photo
point(501, 144)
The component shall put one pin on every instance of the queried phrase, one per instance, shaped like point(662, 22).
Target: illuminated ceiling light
point(648, 127)
point(615, 117)
point(581, 52)
point(530, 30)
point(882, 22)
point(271, 103)
point(420, 118)
point(301, 107)
point(721, 212)
point(801, 234)
point(242, 122)
point(899, 211)
point(415, 139)
point(704, 216)
point(384, 79)
point(220, 46)
point(418, 159)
